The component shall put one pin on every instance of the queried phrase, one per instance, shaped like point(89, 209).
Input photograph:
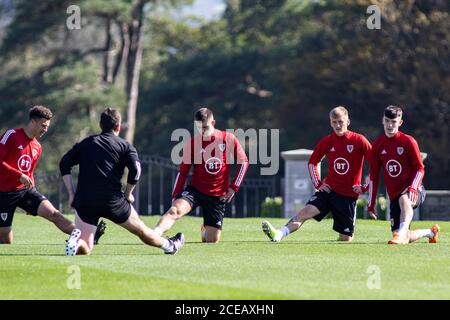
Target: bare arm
point(129, 192)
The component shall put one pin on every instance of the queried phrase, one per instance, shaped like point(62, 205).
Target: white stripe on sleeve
point(138, 173)
point(6, 136)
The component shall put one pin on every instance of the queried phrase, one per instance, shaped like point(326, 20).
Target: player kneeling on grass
point(210, 153)
point(19, 154)
point(102, 159)
point(403, 170)
point(336, 193)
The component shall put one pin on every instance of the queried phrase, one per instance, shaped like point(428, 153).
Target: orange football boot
point(396, 239)
point(435, 230)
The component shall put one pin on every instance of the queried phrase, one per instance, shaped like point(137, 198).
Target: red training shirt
point(345, 161)
point(18, 155)
point(211, 160)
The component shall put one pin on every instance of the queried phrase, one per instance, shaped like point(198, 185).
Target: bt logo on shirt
point(24, 163)
point(341, 166)
point(213, 165)
point(394, 168)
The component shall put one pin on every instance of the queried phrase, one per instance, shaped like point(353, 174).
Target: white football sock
point(166, 245)
point(422, 233)
point(403, 230)
point(158, 231)
point(284, 231)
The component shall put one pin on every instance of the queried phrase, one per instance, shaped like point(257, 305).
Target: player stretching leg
point(209, 153)
point(403, 170)
point(19, 154)
point(338, 192)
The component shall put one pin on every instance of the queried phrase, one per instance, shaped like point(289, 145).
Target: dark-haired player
point(403, 170)
point(102, 159)
point(210, 153)
point(19, 154)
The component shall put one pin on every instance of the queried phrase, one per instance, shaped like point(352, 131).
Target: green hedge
point(361, 204)
point(269, 204)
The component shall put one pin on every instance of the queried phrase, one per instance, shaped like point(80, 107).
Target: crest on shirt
point(400, 150)
point(222, 147)
point(4, 216)
point(332, 150)
point(350, 148)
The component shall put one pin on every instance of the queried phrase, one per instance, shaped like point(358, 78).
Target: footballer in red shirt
point(397, 154)
point(211, 155)
point(19, 153)
point(337, 193)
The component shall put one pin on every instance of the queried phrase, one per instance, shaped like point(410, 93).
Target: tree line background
point(264, 64)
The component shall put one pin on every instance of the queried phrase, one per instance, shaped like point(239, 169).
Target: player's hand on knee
point(325, 188)
point(413, 195)
point(130, 198)
point(357, 189)
point(229, 196)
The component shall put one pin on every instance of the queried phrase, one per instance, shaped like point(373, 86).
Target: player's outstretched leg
point(49, 212)
point(435, 229)
point(273, 234)
point(81, 240)
point(176, 243)
point(308, 212)
point(73, 243)
point(136, 226)
point(431, 234)
point(179, 208)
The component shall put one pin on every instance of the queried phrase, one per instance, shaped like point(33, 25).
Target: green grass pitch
point(309, 264)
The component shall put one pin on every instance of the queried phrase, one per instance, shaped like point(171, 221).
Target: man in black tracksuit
point(102, 159)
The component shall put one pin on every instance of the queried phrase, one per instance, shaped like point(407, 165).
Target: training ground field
point(309, 264)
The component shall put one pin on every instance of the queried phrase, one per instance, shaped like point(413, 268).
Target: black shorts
point(26, 199)
point(395, 208)
point(213, 208)
point(118, 211)
point(343, 209)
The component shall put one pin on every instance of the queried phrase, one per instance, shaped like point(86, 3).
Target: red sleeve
point(319, 152)
point(242, 164)
point(417, 164)
point(367, 148)
point(185, 166)
point(375, 166)
point(5, 144)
